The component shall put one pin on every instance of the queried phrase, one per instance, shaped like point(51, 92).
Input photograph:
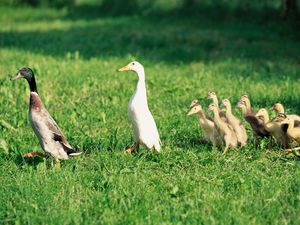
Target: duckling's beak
point(272, 108)
point(192, 105)
point(125, 68)
point(18, 75)
point(190, 112)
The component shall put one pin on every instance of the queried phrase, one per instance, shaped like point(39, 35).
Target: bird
point(246, 100)
point(210, 130)
point(144, 126)
point(256, 124)
point(293, 132)
point(227, 132)
point(50, 137)
point(278, 107)
point(275, 128)
point(235, 123)
point(213, 96)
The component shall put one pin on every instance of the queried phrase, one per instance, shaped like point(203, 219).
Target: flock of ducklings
point(225, 129)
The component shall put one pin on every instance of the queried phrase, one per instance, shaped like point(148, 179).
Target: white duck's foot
point(132, 149)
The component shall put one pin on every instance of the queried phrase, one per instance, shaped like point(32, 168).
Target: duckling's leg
point(255, 141)
point(270, 142)
point(135, 147)
point(32, 154)
point(226, 149)
point(287, 151)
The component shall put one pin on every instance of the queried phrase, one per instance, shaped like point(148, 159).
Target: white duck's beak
point(18, 75)
point(125, 68)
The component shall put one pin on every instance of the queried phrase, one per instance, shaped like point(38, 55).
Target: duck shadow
point(189, 142)
point(32, 161)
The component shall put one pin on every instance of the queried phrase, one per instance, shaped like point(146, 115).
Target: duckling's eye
point(133, 64)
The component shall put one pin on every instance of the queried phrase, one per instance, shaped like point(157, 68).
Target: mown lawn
point(75, 55)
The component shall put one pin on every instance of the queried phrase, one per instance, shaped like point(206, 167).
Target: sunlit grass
point(75, 62)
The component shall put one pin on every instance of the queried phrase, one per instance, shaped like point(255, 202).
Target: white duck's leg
point(134, 148)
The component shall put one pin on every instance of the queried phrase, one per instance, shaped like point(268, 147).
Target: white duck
point(144, 127)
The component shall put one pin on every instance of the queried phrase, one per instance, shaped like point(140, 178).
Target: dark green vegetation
point(75, 53)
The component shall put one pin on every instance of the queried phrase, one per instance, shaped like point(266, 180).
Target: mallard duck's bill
point(125, 68)
point(16, 77)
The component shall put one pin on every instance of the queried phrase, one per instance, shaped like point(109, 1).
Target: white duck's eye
point(133, 64)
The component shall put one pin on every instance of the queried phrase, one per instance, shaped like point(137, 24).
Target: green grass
point(75, 55)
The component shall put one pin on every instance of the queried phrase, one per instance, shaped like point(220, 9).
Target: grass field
point(75, 54)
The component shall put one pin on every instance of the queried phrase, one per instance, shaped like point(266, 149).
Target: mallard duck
point(256, 124)
point(235, 123)
point(213, 96)
point(227, 132)
point(211, 132)
point(144, 126)
point(275, 128)
point(278, 107)
point(46, 129)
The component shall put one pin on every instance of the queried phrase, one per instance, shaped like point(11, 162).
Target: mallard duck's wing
point(56, 132)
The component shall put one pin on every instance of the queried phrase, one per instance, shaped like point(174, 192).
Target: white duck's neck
point(141, 85)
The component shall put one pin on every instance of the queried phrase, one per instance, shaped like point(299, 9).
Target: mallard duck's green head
point(25, 72)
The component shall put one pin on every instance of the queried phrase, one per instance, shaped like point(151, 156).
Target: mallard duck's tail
point(74, 154)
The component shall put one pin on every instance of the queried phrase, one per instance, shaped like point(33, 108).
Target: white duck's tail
point(157, 146)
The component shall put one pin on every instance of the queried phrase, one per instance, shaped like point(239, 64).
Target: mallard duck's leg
point(132, 149)
point(57, 164)
point(32, 154)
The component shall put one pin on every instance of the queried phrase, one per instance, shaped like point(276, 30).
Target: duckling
point(256, 124)
point(235, 123)
point(211, 133)
point(293, 130)
point(194, 103)
point(278, 107)
point(46, 129)
point(276, 129)
point(226, 130)
point(245, 98)
point(213, 96)
point(144, 126)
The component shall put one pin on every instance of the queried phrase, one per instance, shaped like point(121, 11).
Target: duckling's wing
point(296, 123)
point(256, 125)
point(284, 127)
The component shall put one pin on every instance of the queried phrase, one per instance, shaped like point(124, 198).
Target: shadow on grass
point(33, 161)
point(171, 37)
